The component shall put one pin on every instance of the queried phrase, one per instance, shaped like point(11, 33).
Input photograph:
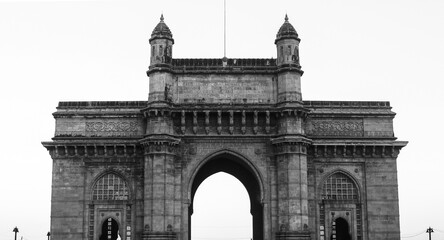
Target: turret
point(159, 72)
point(287, 43)
point(161, 42)
point(289, 76)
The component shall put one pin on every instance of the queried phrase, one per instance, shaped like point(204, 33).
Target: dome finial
point(286, 18)
point(161, 17)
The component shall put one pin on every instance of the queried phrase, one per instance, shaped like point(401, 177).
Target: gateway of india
point(313, 170)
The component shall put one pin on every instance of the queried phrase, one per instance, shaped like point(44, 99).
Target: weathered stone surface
point(305, 164)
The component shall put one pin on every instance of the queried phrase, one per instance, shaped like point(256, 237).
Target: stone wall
point(218, 88)
point(67, 200)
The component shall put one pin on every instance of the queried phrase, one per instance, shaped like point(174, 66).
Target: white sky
point(54, 51)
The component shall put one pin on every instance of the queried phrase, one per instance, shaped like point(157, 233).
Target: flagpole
point(225, 29)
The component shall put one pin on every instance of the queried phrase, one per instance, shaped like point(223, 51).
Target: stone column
point(291, 163)
point(292, 191)
point(161, 152)
point(159, 189)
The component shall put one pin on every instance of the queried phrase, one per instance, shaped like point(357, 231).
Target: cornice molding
point(70, 149)
point(353, 149)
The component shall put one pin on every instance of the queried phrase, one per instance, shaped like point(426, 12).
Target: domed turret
point(289, 76)
point(287, 43)
point(159, 71)
point(161, 31)
point(287, 31)
point(161, 42)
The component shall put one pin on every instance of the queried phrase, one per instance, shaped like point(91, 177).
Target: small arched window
point(339, 187)
point(110, 187)
point(282, 52)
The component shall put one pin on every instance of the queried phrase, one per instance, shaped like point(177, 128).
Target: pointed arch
point(234, 156)
point(240, 167)
point(110, 185)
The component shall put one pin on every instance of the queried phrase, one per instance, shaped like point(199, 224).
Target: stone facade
point(313, 169)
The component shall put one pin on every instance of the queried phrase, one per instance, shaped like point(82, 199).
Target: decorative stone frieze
point(101, 126)
point(343, 127)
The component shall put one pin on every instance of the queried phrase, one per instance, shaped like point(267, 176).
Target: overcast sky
point(60, 50)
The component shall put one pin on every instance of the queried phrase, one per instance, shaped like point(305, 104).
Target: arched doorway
point(110, 230)
point(240, 169)
point(341, 229)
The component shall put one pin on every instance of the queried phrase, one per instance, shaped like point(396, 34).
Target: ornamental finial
point(161, 17)
point(286, 18)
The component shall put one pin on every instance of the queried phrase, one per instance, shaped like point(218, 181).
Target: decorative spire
point(161, 17)
point(286, 18)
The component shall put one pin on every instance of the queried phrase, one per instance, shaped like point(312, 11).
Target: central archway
point(245, 172)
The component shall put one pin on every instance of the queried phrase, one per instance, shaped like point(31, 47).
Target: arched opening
point(110, 230)
point(341, 192)
point(239, 169)
point(340, 230)
point(221, 209)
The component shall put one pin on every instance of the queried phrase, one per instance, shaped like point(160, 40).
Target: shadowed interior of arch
point(342, 230)
point(240, 170)
point(110, 230)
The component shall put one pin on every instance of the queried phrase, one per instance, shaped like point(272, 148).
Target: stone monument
point(312, 169)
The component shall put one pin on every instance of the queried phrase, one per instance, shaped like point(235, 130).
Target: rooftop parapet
point(347, 104)
point(142, 104)
point(231, 64)
point(102, 104)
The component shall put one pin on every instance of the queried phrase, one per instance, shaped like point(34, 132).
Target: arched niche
point(340, 202)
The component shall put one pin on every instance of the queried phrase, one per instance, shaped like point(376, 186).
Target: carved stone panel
point(114, 127)
point(336, 127)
